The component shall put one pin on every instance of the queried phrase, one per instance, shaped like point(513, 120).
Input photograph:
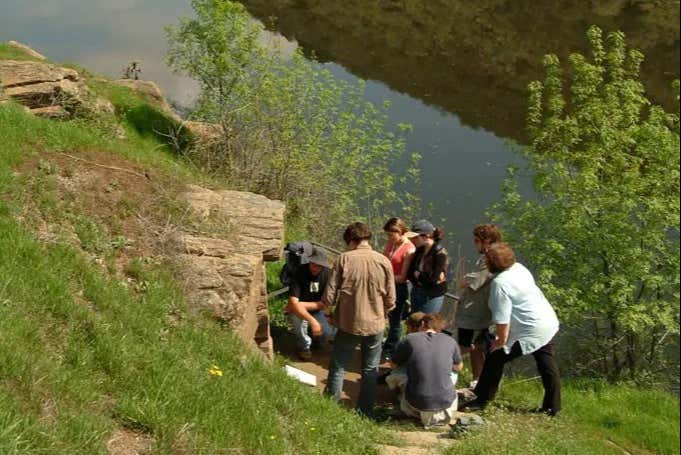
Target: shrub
point(290, 129)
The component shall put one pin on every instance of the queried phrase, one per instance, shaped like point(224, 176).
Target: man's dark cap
point(320, 257)
point(423, 227)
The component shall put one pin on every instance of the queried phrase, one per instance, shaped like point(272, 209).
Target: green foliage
point(147, 119)
point(84, 353)
point(8, 52)
point(292, 130)
point(603, 234)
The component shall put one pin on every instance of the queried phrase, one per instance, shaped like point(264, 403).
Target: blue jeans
point(421, 302)
point(343, 348)
point(395, 318)
point(301, 328)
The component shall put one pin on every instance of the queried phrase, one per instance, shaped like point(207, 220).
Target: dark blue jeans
point(395, 318)
point(343, 348)
point(421, 302)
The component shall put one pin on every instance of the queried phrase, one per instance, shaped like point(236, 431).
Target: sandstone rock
point(227, 276)
point(42, 86)
point(205, 246)
point(16, 73)
point(44, 94)
point(27, 50)
point(49, 90)
point(103, 106)
point(53, 112)
point(229, 287)
point(148, 90)
point(257, 222)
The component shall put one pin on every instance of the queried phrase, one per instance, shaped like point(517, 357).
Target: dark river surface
point(455, 69)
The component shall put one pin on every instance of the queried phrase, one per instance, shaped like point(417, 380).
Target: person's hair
point(396, 225)
point(433, 321)
point(499, 257)
point(438, 234)
point(414, 320)
point(356, 232)
point(487, 233)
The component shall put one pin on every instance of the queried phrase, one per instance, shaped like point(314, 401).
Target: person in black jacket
point(428, 268)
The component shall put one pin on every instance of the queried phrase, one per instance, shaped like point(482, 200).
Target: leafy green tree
point(291, 130)
point(603, 230)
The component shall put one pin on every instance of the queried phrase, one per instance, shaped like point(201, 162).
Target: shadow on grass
point(151, 122)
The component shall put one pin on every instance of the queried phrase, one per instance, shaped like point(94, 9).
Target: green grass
point(8, 52)
point(83, 354)
point(597, 418)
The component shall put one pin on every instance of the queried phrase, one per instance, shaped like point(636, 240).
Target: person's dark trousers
point(395, 318)
point(493, 370)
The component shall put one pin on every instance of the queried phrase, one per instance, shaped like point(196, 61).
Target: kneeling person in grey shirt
point(429, 358)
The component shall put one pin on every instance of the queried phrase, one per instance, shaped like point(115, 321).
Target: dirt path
point(409, 440)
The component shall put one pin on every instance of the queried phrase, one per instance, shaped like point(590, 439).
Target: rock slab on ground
point(48, 90)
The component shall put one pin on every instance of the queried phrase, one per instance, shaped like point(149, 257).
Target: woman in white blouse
point(525, 324)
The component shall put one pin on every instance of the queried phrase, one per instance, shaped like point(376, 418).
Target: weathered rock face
point(47, 90)
point(227, 276)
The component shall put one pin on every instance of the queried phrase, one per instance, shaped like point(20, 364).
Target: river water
point(454, 69)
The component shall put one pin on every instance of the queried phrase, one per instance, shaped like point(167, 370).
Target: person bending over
point(305, 310)
point(525, 324)
point(429, 358)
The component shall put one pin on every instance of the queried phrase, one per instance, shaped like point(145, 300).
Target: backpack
point(297, 254)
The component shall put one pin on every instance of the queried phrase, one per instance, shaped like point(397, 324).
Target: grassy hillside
point(87, 353)
point(98, 348)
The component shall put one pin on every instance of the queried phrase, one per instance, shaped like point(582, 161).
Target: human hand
point(496, 345)
point(316, 329)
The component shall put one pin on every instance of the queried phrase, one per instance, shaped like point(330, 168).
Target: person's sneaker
point(305, 354)
point(473, 385)
point(548, 412)
point(473, 406)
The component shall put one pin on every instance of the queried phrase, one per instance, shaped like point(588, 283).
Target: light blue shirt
point(516, 300)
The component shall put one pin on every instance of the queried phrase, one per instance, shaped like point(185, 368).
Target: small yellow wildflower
point(215, 371)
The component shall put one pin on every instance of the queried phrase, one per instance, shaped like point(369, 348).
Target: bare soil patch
point(128, 442)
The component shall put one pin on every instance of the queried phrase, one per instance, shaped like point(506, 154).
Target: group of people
point(501, 315)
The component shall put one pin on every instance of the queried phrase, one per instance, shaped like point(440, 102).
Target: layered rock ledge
point(48, 90)
point(226, 276)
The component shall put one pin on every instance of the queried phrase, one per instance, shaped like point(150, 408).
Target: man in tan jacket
point(360, 294)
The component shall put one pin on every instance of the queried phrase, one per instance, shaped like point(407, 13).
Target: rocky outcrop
point(226, 276)
point(48, 90)
point(27, 50)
